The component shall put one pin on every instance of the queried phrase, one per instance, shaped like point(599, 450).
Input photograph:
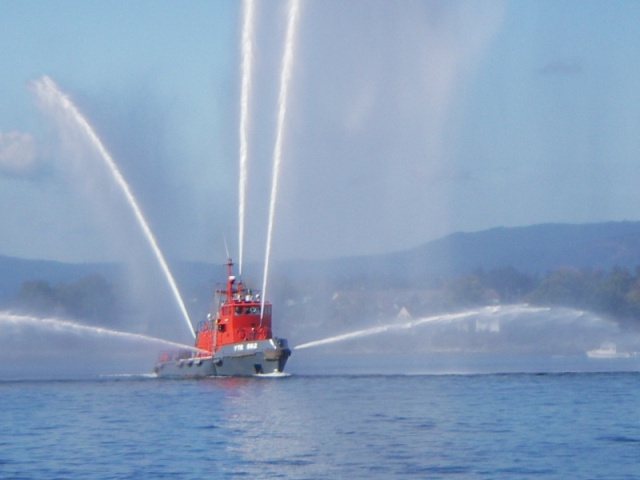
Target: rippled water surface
point(504, 426)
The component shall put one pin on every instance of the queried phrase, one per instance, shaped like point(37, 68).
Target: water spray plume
point(49, 92)
point(285, 77)
point(247, 57)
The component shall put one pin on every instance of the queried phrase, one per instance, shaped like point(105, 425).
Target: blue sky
point(408, 121)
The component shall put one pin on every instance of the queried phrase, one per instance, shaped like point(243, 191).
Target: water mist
point(285, 77)
point(53, 97)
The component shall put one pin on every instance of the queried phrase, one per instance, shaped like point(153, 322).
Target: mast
point(230, 279)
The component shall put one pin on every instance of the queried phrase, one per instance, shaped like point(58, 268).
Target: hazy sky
point(407, 121)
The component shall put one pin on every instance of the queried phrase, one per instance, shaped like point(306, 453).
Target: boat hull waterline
point(239, 359)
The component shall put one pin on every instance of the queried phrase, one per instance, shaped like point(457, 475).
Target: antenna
point(226, 247)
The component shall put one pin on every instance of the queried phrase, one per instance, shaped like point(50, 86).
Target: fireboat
point(234, 340)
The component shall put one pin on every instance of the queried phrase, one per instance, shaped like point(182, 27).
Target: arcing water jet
point(247, 56)
point(285, 77)
point(72, 327)
point(514, 329)
point(53, 97)
point(385, 328)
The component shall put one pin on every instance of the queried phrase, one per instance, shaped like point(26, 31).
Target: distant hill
point(536, 249)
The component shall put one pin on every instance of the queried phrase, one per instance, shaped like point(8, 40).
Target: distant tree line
point(615, 293)
point(91, 299)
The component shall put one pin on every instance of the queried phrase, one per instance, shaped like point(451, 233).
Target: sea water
point(374, 426)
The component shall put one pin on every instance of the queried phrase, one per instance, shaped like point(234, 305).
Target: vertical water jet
point(247, 57)
point(285, 77)
point(52, 96)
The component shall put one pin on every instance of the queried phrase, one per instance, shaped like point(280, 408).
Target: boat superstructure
point(235, 339)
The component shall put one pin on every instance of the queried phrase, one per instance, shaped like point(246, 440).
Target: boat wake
point(273, 375)
point(128, 376)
